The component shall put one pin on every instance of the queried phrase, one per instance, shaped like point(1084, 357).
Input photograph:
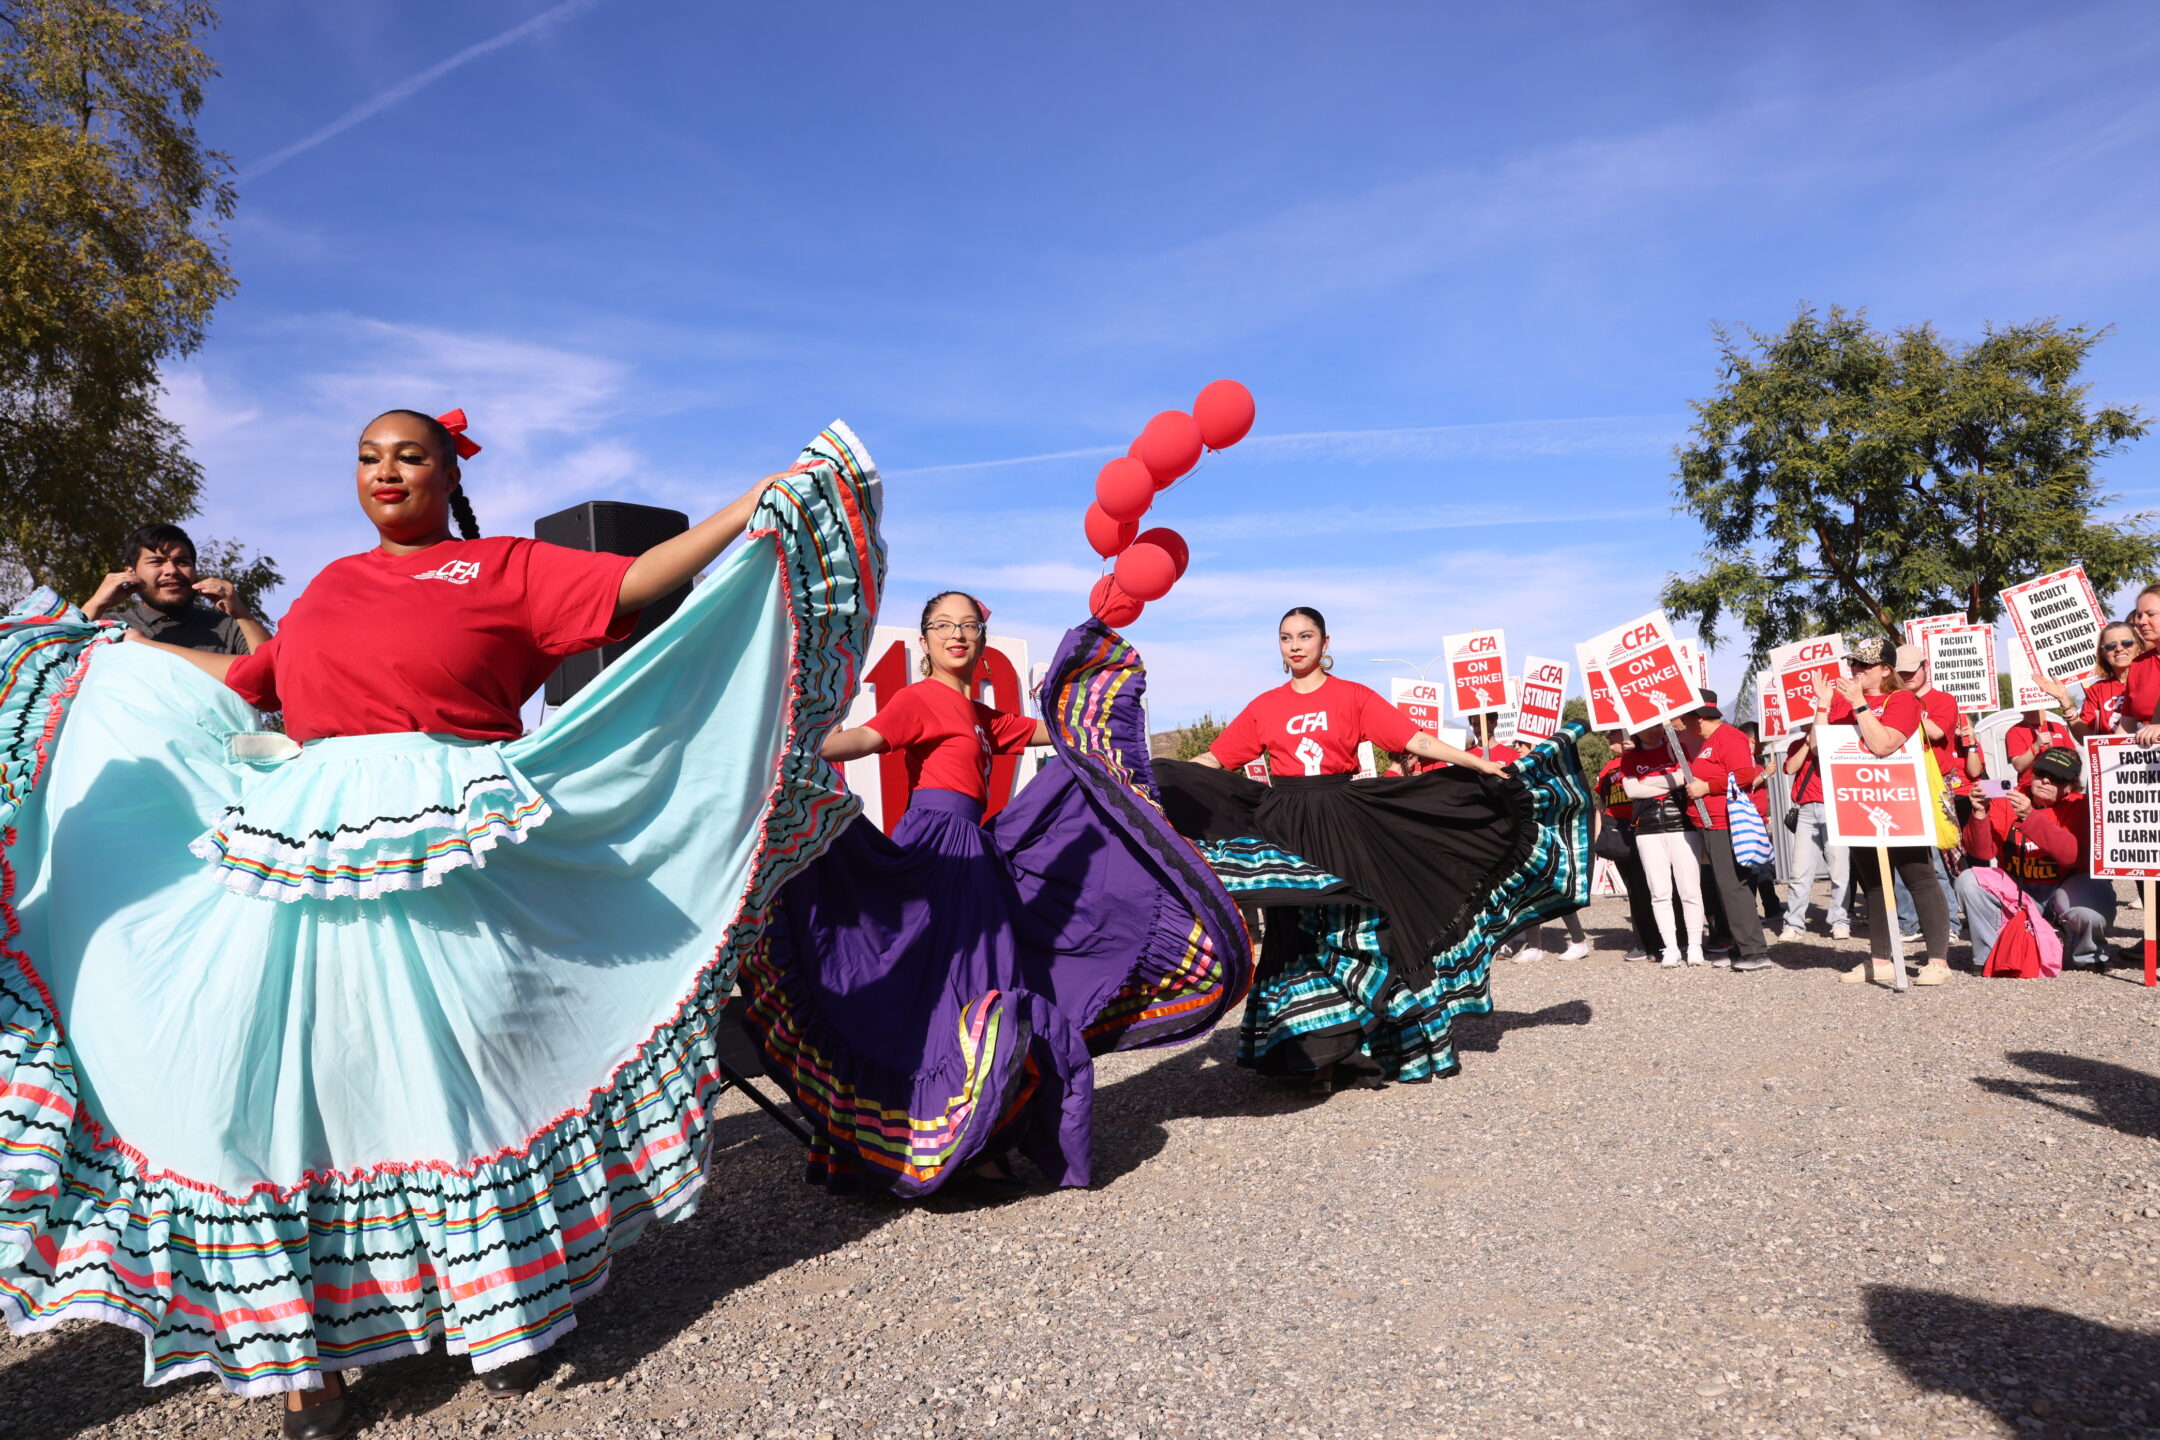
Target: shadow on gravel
point(2042, 1371)
point(1482, 1033)
point(757, 1217)
point(2115, 1095)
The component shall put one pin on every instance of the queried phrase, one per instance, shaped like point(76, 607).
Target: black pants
point(1915, 865)
point(1735, 895)
point(1641, 914)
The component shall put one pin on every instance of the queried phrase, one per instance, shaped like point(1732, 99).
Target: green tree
point(1595, 749)
point(1847, 479)
point(110, 264)
point(1196, 737)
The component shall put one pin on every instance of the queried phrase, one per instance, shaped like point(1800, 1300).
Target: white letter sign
point(2057, 619)
point(2123, 780)
point(1961, 664)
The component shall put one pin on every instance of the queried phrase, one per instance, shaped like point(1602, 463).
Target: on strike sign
point(1875, 799)
point(2124, 787)
point(1769, 711)
point(2057, 618)
point(1418, 699)
point(1797, 667)
point(1544, 697)
point(1597, 689)
point(1644, 662)
point(1477, 671)
point(1961, 664)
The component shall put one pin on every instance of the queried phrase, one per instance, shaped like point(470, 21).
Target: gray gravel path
point(1655, 1202)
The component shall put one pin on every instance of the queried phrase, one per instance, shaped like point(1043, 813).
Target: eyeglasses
point(942, 628)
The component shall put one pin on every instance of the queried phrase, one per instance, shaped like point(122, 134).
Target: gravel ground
point(1655, 1202)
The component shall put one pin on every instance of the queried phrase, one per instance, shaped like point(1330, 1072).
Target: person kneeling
point(2038, 836)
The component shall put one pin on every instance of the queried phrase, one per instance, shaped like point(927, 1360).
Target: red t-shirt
point(1660, 816)
point(1725, 753)
point(1950, 754)
point(1900, 710)
point(2050, 733)
point(2104, 702)
point(2144, 687)
point(1807, 781)
point(1611, 795)
point(1316, 733)
point(1498, 754)
point(947, 739)
point(450, 640)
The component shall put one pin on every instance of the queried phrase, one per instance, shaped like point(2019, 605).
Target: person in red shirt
point(2100, 711)
point(1671, 851)
point(2142, 684)
point(1618, 812)
point(2035, 731)
point(1950, 735)
point(1812, 848)
point(1870, 698)
point(2040, 836)
point(1718, 753)
point(1487, 747)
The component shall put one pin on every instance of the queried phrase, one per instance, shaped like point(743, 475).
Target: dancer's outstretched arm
point(210, 662)
point(671, 564)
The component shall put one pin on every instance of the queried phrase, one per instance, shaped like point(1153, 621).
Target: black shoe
point(515, 1378)
point(330, 1420)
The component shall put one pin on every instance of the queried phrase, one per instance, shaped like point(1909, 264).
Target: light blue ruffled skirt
point(308, 1058)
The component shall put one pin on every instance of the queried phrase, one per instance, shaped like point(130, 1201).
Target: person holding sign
point(1871, 699)
point(1386, 898)
point(1720, 753)
point(2142, 684)
point(935, 998)
point(2035, 731)
point(1809, 824)
point(1619, 819)
point(2039, 836)
point(2106, 694)
point(1671, 853)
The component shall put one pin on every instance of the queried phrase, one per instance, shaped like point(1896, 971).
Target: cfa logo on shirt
point(457, 572)
point(1299, 724)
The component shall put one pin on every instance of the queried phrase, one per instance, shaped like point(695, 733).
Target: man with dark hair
point(157, 593)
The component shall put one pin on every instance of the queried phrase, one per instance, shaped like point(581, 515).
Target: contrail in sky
point(540, 24)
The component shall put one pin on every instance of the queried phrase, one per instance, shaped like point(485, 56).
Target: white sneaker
point(1792, 932)
point(1696, 957)
point(1527, 954)
point(1841, 932)
point(1580, 950)
point(1670, 959)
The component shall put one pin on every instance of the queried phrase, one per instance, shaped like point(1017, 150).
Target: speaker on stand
point(610, 527)
point(617, 528)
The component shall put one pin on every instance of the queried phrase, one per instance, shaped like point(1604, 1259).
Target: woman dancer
point(1872, 699)
point(425, 1032)
point(1449, 863)
point(935, 998)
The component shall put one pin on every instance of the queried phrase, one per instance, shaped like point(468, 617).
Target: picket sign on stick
point(2058, 622)
point(1544, 698)
point(1504, 725)
point(1798, 666)
point(1918, 630)
point(1769, 708)
point(1876, 801)
point(2123, 791)
point(1961, 664)
point(2024, 695)
point(1477, 671)
point(1653, 680)
point(1597, 693)
point(1418, 699)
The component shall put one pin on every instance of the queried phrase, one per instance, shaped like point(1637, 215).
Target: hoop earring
point(922, 666)
point(1327, 662)
point(1286, 668)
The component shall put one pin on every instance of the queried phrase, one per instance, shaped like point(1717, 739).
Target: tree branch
point(1846, 578)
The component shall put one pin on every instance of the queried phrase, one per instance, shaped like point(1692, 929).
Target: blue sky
point(1466, 257)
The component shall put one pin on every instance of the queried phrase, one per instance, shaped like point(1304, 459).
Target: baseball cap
point(2058, 764)
point(1869, 650)
point(1909, 659)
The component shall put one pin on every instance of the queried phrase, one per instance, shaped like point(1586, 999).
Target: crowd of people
point(2018, 839)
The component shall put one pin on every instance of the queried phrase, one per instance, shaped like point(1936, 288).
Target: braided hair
point(446, 445)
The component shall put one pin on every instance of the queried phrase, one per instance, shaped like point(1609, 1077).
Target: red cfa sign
point(1543, 697)
point(1477, 671)
point(1769, 712)
point(1875, 799)
point(1653, 677)
point(1418, 699)
point(1798, 666)
point(1597, 690)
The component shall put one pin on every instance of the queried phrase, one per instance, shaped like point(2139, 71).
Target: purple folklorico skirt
point(925, 995)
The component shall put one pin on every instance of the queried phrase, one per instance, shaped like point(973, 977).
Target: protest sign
point(1597, 692)
point(1642, 659)
point(1477, 671)
point(1769, 712)
point(2123, 783)
point(1257, 770)
point(1543, 698)
point(1418, 699)
point(1504, 723)
point(1875, 799)
point(1961, 664)
point(1917, 630)
point(1695, 662)
point(1798, 666)
point(2058, 621)
point(2024, 695)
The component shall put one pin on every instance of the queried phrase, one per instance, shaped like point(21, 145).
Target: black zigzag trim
point(362, 828)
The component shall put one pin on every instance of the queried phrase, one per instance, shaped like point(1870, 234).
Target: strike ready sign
point(2125, 804)
point(1650, 673)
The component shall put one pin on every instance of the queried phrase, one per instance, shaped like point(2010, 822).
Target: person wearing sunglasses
point(2106, 693)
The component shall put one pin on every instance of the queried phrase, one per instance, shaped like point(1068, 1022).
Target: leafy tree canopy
point(1847, 479)
point(110, 264)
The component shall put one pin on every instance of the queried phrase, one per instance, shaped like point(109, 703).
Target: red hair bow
point(454, 421)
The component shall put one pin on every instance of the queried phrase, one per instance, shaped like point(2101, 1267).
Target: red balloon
point(1224, 411)
point(1124, 489)
point(1170, 446)
point(1108, 536)
point(1169, 540)
point(1134, 449)
point(1146, 572)
point(1111, 605)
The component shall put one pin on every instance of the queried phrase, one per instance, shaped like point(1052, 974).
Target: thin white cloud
point(541, 24)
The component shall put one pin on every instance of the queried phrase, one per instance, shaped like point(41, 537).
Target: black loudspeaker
point(615, 528)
